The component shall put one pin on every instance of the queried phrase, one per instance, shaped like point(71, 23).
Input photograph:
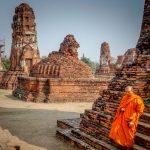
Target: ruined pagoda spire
point(24, 50)
point(143, 44)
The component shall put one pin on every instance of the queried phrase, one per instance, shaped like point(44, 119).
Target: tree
point(90, 63)
point(6, 63)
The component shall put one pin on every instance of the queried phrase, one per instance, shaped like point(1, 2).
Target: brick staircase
point(91, 130)
point(93, 135)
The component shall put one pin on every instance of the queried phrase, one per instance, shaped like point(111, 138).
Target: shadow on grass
point(12, 97)
point(35, 126)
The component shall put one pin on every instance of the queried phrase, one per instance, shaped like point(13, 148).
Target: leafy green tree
point(90, 63)
point(6, 62)
point(147, 101)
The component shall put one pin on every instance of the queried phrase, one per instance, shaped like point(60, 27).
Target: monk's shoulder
point(138, 99)
point(123, 98)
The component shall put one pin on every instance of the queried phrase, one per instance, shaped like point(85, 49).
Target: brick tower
point(24, 49)
point(106, 67)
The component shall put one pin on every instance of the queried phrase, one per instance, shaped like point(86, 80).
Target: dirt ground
point(35, 123)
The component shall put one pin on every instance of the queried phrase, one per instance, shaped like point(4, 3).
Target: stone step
point(98, 118)
point(144, 123)
point(69, 123)
point(142, 140)
point(147, 108)
point(111, 107)
point(96, 124)
point(99, 144)
point(100, 132)
point(137, 147)
point(96, 143)
point(143, 128)
point(93, 123)
point(65, 134)
point(73, 124)
point(145, 117)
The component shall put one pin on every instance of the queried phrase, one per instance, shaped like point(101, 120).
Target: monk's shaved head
point(129, 88)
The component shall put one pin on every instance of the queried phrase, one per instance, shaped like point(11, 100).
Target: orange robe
point(120, 132)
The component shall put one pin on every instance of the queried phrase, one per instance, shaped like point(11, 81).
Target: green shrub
point(147, 101)
point(6, 63)
point(90, 63)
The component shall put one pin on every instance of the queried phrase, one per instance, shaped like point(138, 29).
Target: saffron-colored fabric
point(120, 132)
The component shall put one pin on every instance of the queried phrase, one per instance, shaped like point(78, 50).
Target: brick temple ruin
point(106, 67)
point(24, 49)
point(128, 58)
point(91, 130)
point(61, 77)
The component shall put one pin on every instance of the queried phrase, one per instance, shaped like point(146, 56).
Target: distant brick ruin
point(63, 64)
point(24, 49)
point(106, 67)
point(69, 46)
point(105, 57)
point(128, 58)
point(61, 77)
point(91, 130)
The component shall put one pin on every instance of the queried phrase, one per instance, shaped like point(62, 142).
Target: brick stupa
point(64, 63)
point(91, 130)
point(106, 67)
point(61, 77)
point(24, 49)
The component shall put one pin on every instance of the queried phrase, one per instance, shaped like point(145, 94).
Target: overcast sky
point(91, 22)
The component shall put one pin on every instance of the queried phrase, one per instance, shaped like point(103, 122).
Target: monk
point(126, 119)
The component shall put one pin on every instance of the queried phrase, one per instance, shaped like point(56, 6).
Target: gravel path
point(35, 123)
